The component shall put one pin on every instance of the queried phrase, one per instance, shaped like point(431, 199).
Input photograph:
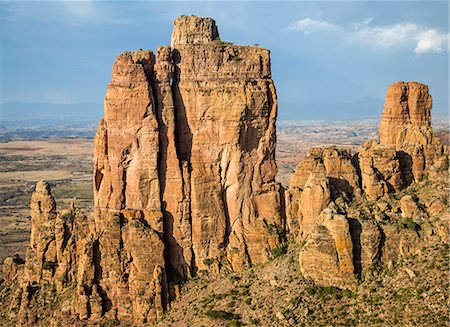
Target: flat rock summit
point(184, 185)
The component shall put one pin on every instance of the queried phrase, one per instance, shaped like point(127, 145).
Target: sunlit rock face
point(318, 209)
point(185, 166)
point(406, 126)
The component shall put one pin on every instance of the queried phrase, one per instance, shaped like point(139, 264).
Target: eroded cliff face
point(356, 187)
point(406, 126)
point(226, 108)
point(184, 164)
point(127, 201)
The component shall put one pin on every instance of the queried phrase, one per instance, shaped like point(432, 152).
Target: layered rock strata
point(225, 108)
point(326, 174)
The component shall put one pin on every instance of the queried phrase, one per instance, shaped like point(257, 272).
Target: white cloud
point(386, 36)
point(309, 25)
point(431, 41)
point(424, 39)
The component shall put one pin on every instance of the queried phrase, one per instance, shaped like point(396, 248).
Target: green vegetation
point(325, 291)
point(220, 314)
point(49, 265)
point(279, 250)
point(208, 261)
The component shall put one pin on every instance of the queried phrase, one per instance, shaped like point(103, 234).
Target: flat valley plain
point(67, 164)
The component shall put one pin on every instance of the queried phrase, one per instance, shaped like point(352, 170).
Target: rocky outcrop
point(380, 170)
point(12, 268)
point(41, 253)
point(339, 169)
point(332, 174)
point(407, 153)
point(327, 257)
point(314, 198)
point(184, 166)
point(127, 201)
point(407, 104)
point(53, 260)
point(226, 108)
point(193, 30)
point(406, 126)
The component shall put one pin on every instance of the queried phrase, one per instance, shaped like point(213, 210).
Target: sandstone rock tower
point(406, 126)
point(184, 166)
point(407, 105)
point(339, 241)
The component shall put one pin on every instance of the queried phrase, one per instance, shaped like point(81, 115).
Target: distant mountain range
point(33, 114)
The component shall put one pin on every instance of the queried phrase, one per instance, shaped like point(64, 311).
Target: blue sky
point(322, 52)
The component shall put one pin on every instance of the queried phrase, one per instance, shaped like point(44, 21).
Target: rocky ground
point(410, 294)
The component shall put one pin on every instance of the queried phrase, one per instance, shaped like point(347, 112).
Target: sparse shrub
point(349, 294)
point(208, 261)
point(48, 265)
point(324, 291)
point(279, 250)
point(245, 289)
point(410, 224)
point(302, 244)
point(234, 278)
point(295, 301)
point(234, 291)
point(224, 315)
point(248, 300)
point(63, 279)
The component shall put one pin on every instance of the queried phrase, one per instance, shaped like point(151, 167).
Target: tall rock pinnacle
point(406, 126)
point(407, 104)
point(185, 167)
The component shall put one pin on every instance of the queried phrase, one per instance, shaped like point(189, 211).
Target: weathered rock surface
point(226, 108)
point(327, 257)
point(380, 170)
point(184, 166)
point(407, 104)
point(406, 126)
point(53, 259)
point(12, 267)
point(184, 180)
point(127, 200)
point(315, 197)
point(407, 153)
point(333, 175)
